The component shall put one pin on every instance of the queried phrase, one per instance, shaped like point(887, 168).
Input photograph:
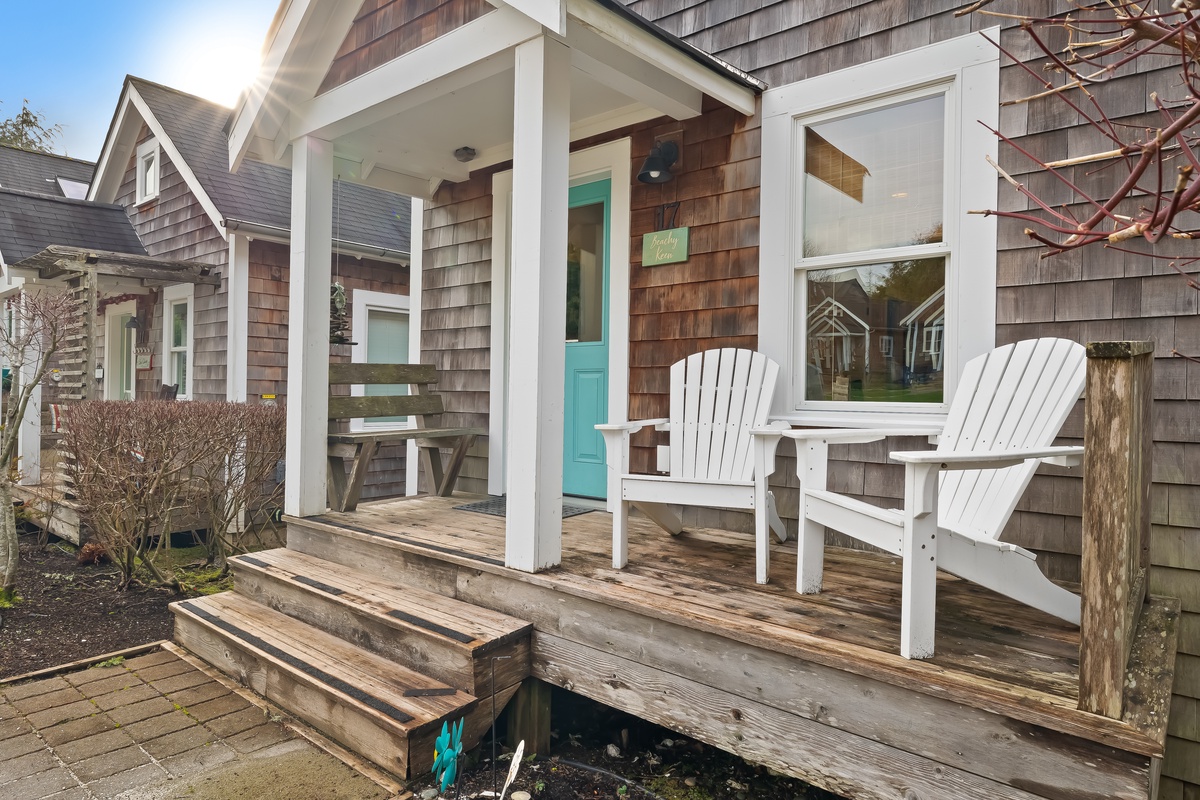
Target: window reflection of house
point(923, 329)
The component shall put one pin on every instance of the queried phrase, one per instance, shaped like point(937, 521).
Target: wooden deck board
point(993, 654)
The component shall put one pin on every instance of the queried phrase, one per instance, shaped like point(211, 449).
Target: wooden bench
point(345, 486)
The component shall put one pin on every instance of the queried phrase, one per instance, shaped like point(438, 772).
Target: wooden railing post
point(1116, 516)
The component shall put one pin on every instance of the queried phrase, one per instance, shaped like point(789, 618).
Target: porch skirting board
point(498, 507)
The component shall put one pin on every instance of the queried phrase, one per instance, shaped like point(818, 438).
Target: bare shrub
point(138, 465)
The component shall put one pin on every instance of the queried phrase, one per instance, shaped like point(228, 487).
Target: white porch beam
point(462, 57)
point(237, 324)
point(303, 40)
point(631, 75)
point(642, 44)
point(308, 326)
point(541, 139)
point(551, 13)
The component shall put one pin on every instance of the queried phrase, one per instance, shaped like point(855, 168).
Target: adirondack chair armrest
point(1061, 456)
point(631, 427)
point(857, 435)
point(775, 428)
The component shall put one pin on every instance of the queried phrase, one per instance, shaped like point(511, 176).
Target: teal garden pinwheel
point(446, 751)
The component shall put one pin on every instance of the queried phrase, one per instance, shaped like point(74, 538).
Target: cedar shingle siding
point(175, 226)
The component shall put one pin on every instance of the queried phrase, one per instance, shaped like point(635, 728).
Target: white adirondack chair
point(718, 398)
point(1009, 406)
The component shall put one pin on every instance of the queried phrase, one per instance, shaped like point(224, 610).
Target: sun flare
point(219, 72)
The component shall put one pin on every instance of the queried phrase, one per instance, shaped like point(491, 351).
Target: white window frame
point(148, 152)
point(967, 69)
point(172, 296)
point(363, 301)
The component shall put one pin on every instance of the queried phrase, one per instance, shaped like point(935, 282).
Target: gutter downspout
point(280, 234)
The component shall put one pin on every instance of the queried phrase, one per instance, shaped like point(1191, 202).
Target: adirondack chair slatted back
point(418, 376)
point(717, 397)
point(1014, 397)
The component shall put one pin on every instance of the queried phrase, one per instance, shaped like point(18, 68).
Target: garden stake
point(494, 660)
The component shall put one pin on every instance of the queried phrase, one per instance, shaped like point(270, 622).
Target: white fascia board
point(550, 13)
point(631, 75)
point(641, 43)
point(464, 56)
point(295, 61)
point(189, 177)
point(114, 156)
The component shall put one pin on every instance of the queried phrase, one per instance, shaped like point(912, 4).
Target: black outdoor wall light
point(657, 167)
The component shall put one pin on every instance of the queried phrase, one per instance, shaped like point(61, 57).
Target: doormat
point(498, 507)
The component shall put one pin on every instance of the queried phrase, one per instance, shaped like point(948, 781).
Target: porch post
point(29, 440)
point(308, 326)
point(541, 138)
point(237, 276)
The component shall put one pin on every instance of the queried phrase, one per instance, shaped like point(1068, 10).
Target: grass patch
point(10, 600)
point(115, 661)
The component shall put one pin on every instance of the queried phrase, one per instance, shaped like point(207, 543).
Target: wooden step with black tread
point(447, 639)
point(386, 712)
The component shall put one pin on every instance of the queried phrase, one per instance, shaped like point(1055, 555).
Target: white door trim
point(612, 160)
point(111, 343)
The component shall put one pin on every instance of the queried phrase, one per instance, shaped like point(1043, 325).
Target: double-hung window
point(379, 326)
point(178, 306)
point(876, 285)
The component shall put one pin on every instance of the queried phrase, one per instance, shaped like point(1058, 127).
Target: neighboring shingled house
point(165, 161)
point(44, 173)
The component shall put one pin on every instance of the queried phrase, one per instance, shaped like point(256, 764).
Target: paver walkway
point(156, 727)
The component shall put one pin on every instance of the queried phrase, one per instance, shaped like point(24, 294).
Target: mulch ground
point(69, 612)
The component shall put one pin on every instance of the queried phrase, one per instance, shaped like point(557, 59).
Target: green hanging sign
point(665, 247)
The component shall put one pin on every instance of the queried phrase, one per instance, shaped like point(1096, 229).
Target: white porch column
point(29, 440)
point(308, 326)
point(541, 138)
point(416, 276)
point(237, 287)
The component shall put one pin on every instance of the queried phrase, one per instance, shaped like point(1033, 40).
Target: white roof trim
point(177, 159)
point(549, 13)
point(110, 170)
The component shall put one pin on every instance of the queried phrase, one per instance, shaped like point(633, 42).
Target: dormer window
point(147, 170)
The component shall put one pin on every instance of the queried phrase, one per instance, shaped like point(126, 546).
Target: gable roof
point(259, 194)
point(29, 171)
point(29, 223)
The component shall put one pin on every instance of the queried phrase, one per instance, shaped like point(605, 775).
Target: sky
point(69, 58)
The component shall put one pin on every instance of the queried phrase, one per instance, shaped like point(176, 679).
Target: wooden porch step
point(385, 712)
point(447, 639)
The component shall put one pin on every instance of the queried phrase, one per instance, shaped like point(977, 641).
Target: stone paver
point(151, 728)
point(179, 682)
point(218, 707)
point(14, 693)
point(151, 707)
point(86, 676)
point(105, 764)
point(50, 717)
point(197, 694)
point(40, 785)
point(41, 702)
point(106, 742)
point(19, 746)
point(125, 697)
point(76, 730)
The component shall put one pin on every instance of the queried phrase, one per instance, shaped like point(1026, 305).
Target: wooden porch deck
point(812, 685)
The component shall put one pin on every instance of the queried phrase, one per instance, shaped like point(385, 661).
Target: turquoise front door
point(586, 339)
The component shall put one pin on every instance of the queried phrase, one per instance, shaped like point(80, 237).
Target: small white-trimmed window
point(876, 284)
point(148, 169)
point(179, 303)
point(380, 330)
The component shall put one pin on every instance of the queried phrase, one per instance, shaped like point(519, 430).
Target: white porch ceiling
point(397, 126)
